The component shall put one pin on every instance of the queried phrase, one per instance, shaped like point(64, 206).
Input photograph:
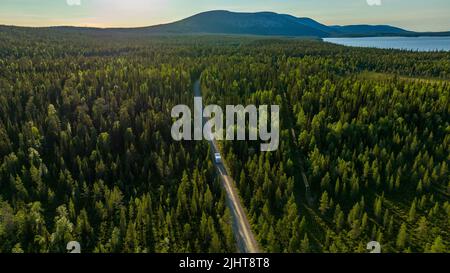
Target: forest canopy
point(86, 152)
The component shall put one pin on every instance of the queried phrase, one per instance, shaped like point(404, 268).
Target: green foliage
point(374, 150)
point(86, 152)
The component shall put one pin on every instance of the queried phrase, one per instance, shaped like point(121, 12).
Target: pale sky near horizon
point(417, 15)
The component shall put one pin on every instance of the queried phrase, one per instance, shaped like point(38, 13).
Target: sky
point(416, 15)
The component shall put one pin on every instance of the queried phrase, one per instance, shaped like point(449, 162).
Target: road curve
point(243, 234)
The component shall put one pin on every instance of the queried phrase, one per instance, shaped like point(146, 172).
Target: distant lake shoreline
point(420, 44)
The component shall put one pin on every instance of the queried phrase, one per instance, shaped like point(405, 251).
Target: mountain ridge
point(264, 23)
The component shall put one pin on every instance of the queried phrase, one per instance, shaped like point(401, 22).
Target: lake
point(408, 43)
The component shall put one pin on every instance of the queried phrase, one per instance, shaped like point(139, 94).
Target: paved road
point(243, 234)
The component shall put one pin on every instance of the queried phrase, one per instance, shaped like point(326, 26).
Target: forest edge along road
point(243, 234)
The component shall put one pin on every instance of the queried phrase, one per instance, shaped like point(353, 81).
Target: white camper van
point(217, 158)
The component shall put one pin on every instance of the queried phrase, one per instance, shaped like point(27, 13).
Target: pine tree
point(337, 187)
point(402, 237)
point(305, 244)
point(215, 245)
point(438, 246)
point(364, 222)
point(17, 249)
point(325, 182)
point(419, 188)
point(412, 211)
point(294, 243)
point(131, 244)
point(377, 207)
point(340, 221)
point(324, 203)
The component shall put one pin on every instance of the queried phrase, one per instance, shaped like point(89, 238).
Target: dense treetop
point(86, 152)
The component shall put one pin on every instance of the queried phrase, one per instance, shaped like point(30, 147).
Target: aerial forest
point(86, 152)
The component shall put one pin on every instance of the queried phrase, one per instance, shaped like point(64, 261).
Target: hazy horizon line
point(176, 20)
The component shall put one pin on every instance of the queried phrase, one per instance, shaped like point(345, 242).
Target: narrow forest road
point(308, 195)
point(243, 234)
